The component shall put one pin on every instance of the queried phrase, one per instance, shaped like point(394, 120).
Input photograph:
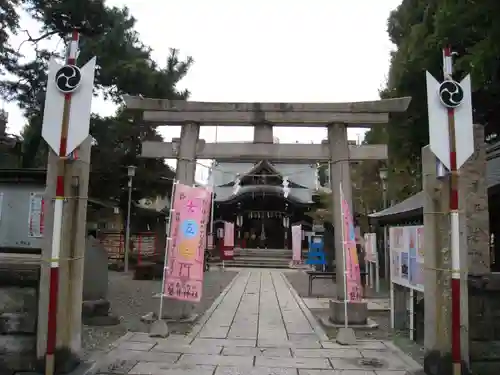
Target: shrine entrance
point(263, 217)
point(336, 151)
point(259, 207)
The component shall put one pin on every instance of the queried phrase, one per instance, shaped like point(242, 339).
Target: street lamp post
point(131, 174)
point(239, 223)
point(383, 174)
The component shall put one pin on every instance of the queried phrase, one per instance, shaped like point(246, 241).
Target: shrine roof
point(248, 190)
point(412, 207)
point(409, 208)
point(299, 175)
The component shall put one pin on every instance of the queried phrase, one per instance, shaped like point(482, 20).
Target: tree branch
point(36, 40)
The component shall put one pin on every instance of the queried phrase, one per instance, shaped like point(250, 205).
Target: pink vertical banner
point(353, 276)
point(184, 277)
point(228, 234)
point(228, 248)
point(297, 243)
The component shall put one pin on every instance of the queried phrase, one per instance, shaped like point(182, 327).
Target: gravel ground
point(325, 288)
point(131, 299)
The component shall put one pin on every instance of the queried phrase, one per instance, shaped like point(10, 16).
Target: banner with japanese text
point(353, 276)
point(36, 219)
point(184, 277)
point(297, 243)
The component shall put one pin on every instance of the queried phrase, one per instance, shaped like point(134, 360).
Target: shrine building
point(263, 199)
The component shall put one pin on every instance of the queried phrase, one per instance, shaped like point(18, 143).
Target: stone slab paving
point(258, 326)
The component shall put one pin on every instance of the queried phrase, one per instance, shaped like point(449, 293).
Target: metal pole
point(58, 222)
point(386, 244)
point(212, 206)
point(167, 246)
point(127, 230)
point(454, 228)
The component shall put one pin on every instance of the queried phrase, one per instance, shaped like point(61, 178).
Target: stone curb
point(97, 359)
point(415, 367)
point(199, 326)
point(318, 330)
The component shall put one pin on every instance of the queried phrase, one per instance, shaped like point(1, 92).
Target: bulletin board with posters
point(406, 246)
point(407, 256)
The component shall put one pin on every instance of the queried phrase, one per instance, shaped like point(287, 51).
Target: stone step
point(266, 252)
point(259, 260)
point(262, 255)
point(262, 259)
point(248, 264)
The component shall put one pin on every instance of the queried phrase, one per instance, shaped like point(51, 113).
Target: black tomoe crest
point(68, 78)
point(451, 94)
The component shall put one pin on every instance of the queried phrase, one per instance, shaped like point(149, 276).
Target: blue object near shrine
point(316, 254)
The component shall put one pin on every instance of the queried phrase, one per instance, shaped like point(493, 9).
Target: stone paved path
point(258, 326)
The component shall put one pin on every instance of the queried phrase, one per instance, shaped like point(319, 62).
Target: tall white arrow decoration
point(79, 112)
point(438, 121)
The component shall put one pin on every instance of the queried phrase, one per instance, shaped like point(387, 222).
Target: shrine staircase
point(259, 258)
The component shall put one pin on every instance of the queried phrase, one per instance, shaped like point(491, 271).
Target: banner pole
point(454, 217)
point(167, 246)
point(57, 231)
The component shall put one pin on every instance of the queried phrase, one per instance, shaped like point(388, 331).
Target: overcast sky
point(262, 50)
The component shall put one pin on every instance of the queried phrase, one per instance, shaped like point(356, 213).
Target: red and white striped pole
point(58, 220)
point(456, 354)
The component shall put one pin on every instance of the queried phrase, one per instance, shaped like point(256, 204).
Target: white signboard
point(296, 243)
point(370, 242)
point(407, 256)
point(371, 260)
point(36, 216)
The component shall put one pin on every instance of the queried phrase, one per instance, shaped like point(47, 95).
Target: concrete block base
point(370, 324)
point(357, 312)
point(159, 328)
point(346, 336)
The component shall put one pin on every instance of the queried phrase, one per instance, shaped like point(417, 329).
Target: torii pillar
point(186, 161)
point(336, 117)
point(340, 180)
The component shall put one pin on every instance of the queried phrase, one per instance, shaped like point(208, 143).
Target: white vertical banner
point(36, 216)
point(297, 243)
point(370, 245)
point(371, 260)
point(228, 234)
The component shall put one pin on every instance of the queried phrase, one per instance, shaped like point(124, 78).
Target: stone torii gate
point(336, 117)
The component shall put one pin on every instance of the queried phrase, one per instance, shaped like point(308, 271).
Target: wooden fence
point(144, 245)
